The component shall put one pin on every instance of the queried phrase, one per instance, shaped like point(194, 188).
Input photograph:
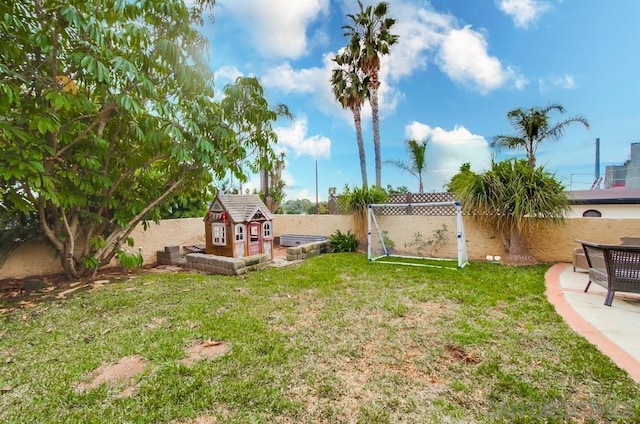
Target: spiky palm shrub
point(513, 198)
point(356, 200)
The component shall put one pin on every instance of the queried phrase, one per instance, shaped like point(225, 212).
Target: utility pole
point(317, 203)
point(597, 158)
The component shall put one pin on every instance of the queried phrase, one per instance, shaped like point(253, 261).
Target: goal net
point(419, 234)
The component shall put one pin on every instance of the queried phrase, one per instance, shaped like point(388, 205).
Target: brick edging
point(580, 325)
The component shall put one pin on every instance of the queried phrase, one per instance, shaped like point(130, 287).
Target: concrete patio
point(615, 330)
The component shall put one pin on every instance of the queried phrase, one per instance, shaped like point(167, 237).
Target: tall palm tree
point(533, 127)
point(512, 198)
point(417, 162)
point(349, 87)
point(370, 37)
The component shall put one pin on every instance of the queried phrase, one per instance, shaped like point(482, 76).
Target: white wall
point(607, 211)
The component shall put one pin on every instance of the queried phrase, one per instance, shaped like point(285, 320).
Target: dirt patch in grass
point(127, 371)
point(458, 354)
point(124, 372)
point(208, 350)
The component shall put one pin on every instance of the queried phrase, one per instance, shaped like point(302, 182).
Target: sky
point(458, 68)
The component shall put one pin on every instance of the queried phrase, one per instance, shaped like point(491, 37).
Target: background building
point(627, 174)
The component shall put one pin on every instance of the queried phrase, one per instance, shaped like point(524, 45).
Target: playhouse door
point(254, 238)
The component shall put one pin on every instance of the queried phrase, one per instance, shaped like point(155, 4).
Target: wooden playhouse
point(237, 226)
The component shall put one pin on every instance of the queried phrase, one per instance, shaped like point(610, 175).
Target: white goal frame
point(372, 225)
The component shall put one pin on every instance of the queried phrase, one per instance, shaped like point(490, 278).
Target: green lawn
point(335, 339)
point(426, 262)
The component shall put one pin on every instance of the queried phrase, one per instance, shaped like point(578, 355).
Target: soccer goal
point(417, 234)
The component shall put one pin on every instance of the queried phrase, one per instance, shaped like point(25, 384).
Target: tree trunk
point(68, 263)
point(531, 155)
point(360, 229)
point(357, 121)
point(516, 248)
point(375, 119)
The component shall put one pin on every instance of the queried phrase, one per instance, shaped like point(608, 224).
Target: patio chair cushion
point(580, 259)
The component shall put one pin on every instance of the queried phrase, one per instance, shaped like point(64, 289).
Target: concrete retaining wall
point(212, 264)
point(308, 250)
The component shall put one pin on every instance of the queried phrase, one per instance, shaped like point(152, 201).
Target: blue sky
point(458, 68)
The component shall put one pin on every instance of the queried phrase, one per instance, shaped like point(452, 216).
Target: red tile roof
point(609, 196)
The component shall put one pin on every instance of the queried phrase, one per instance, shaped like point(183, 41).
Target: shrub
point(343, 242)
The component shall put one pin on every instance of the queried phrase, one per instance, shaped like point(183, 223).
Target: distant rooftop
point(609, 196)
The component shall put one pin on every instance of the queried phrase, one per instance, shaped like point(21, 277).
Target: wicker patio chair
point(580, 259)
point(614, 267)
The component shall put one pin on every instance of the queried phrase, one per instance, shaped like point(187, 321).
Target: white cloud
point(223, 76)
point(302, 193)
point(314, 81)
point(523, 12)
point(448, 150)
point(227, 74)
point(290, 80)
point(565, 81)
point(277, 27)
point(424, 35)
point(420, 31)
point(464, 58)
point(295, 138)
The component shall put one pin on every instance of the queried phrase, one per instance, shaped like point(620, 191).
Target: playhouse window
point(266, 230)
point(219, 235)
point(239, 232)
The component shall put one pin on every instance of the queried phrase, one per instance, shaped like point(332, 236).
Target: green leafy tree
point(247, 111)
point(532, 127)
point(370, 37)
point(276, 186)
point(512, 198)
point(349, 87)
point(322, 208)
point(106, 113)
point(191, 202)
point(417, 162)
point(397, 190)
point(297, 206)
point(276, 183)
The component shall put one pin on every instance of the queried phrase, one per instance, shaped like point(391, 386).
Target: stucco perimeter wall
point(556, 243)
point(415, 236)
point(311, 225)
point(38, 258)
point(549, 243)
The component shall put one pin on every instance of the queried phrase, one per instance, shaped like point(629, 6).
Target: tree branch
point(116, 237)
point(101, 119)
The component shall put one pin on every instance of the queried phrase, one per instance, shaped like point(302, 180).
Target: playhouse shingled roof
point(242, 207)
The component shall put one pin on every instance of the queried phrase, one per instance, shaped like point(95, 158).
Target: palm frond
point(532, 127)
point(510, 142)
point(558, 130)
point(401, 166)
